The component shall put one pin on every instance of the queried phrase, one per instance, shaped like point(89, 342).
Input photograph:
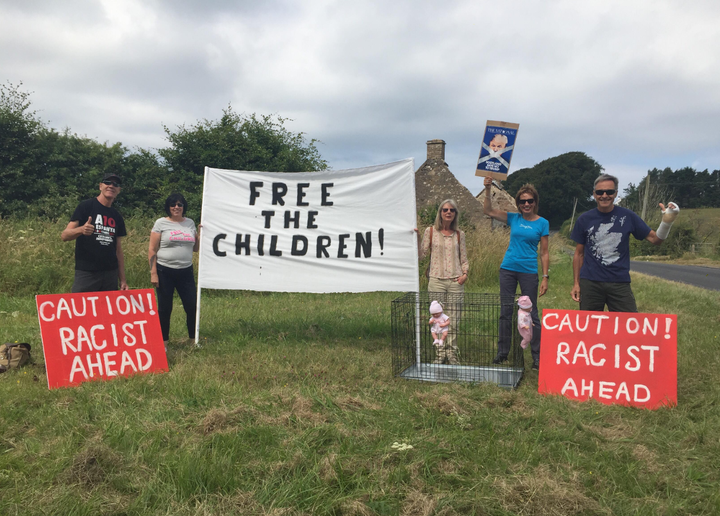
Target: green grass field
point(289, 408)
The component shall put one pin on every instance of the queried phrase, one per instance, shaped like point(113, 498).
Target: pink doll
point(525, 325)
point(439, 322)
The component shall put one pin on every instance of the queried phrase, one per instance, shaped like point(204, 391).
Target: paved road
point(704, 277)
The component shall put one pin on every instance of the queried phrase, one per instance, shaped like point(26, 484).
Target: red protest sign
point(611, 357)
point(100, 335)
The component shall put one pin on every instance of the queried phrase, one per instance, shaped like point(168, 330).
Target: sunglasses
point(526, 201)
point(177, 204)
point(111, 183)
point(451, 210)
point(599, 193)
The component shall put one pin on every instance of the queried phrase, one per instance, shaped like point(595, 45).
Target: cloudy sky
point(634, 84)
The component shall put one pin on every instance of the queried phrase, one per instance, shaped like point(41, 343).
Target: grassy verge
point(290, 408)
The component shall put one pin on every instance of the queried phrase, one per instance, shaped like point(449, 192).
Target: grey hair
point(438, 217)
point(606, 177)
point(502, 137)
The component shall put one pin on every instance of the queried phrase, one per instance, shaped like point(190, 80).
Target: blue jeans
point(509, 280)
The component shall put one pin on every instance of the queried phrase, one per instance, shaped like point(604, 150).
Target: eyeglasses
point(111, 183)
point(526, 201)
point(451, 210)
point(177, 204)
point(600, 193)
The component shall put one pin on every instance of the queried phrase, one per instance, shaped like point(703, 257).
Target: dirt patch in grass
point(646, 457)
point(544, 492)
point(355, 403)
point(326, 468)
point(417, 503)
point(615, 429)
point(297, 410)
point(93, 465)
point(218, 420)
point(508, 400)
point(356, 508)
point(445, 403)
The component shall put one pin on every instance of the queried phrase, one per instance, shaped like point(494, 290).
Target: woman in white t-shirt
point(173, 241)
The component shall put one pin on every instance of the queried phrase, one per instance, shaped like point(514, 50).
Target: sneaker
point(500, 359)
point(536, 365)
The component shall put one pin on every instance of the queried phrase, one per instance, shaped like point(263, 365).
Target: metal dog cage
point(470, 346)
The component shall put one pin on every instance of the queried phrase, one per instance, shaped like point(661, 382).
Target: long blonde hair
point(438, 218)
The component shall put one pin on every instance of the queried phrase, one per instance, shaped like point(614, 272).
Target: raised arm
point(73, 230)
point(669, 216)
point(487, 205)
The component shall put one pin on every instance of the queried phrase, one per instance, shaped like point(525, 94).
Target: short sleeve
point(578, 233)
point(80, 213)
point(641, 229)
point(156, 227)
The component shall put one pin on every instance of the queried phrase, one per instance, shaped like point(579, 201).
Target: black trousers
point(183, 281)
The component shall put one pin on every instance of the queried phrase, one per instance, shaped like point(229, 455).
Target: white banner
point(328, 231)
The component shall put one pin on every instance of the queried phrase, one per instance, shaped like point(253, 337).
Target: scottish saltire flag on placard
point(327, 231)
point(497, 149)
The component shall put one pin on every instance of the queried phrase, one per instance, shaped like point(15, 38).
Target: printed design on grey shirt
point(604, 244)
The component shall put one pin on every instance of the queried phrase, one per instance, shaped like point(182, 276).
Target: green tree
point(20, 181)
point(559, 181)
point(235, 142)
point(685, 186)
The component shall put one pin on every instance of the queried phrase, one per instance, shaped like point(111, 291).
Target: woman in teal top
point(519, 267)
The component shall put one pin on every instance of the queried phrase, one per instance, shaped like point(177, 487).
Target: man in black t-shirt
point(97, 228)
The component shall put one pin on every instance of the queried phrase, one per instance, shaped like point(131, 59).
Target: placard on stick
point(611, 357)
point(497, 149)
point(100, 335)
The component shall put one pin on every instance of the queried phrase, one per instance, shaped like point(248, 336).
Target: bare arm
point(152, 257)
point(121, 264)
point(424, 247)
point(445, 324)
point(73, 230)
point(464, 262)
point(653, 238)
point(545, 262)
point(487, 205)
point(578, 259)
point(196, 247)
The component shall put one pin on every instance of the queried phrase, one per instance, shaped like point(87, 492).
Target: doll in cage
point(439, 323)
point(525, 324)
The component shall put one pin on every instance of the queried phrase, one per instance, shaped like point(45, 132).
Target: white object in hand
point(669, 215)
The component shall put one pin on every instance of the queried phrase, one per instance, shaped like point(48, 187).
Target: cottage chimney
point(436, 149)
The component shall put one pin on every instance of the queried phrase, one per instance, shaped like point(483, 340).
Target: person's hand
point(543, 287)
point(124, 285)
point(575, 293)
point(88, 228)
point(670, 213)
point(487, 181)
point(154, 279)
point(462, 279)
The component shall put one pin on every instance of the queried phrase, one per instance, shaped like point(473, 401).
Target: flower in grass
point(401, 446)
